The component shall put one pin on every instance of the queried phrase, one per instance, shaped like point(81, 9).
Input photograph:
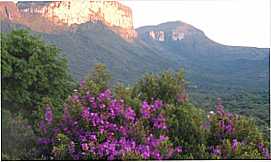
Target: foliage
point(235, 137)
point(100, 77)
point(253, 104)
point(120, 125)
point(18, 139)
point(186, 128)
point(167, 86)
point(31, 72)
point(103, 128)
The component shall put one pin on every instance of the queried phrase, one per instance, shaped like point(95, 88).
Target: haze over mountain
point(102, 32)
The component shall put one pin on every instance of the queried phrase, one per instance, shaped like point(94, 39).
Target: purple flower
point(106, 95)
point(71, 147)
point(44, 141)
point(144, 151)
point(95, 119)
point(85, 114)
point(75, 98)
point(234, 144)
point(115, 108)
point(264, 151)
point(84, 147)
point(216, 151)
point(130, 114)
point(163, 138)
point(145, 110)
point(160, 122)
point(123, 131)
point(157, 104)
point(179, 149)
point(93, 137)
point(229, 128)
point(90, 98)
point(48, 115)
point(42, 126)
point(82, 83)
point(157, 155)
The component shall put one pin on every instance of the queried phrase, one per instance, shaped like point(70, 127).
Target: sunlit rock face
point(74, 12)
point(157, 35)
point(177, 35)
point(8, 10)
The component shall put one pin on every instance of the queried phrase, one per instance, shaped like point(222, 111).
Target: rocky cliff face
point(173, 31)
point(8, 10)
point(65, 14)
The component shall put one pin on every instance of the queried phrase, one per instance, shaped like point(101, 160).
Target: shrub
point(235, 137)
point(167, 86)
point(31, 71)
point(99, 127)
point(186, 128)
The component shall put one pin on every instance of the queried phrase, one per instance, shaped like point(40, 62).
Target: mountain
point(90, 32)
point(62, 15)
point(207, 61)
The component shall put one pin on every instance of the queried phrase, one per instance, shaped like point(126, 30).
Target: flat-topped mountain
point(55, 16)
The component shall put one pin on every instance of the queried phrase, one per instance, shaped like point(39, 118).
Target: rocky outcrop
point(9, 10)
point(173, 31)
point(177, 35)
point(73, 12)
point(157, 35)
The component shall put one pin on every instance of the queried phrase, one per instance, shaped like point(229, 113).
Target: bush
point(167, 86)
point(235, 137)
point(186, 128)
point(31, 71)
point(99, 127)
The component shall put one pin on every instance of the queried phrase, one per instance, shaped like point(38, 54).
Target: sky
point(230, 22)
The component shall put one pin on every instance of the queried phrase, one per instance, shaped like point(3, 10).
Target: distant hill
point(207, 62)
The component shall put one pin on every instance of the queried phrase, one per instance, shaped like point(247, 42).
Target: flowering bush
point(97, 125)
point(235, 137)
point(103, 128)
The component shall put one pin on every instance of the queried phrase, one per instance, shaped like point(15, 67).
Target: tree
point(31, 72)
point(167, 86)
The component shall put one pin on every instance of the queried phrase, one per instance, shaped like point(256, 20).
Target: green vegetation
point(32, 73)
point(253, 104)
point(45, 116)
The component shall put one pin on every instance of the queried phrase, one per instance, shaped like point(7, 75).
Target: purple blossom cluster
point(264, 151)
point(103, 129)
point(224, 133)
point(226, 120)
point(216, 150)
point(234, 145)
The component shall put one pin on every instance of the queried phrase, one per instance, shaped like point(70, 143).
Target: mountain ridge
point(63, 14)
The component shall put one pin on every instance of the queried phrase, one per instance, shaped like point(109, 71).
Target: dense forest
point(46, 115)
